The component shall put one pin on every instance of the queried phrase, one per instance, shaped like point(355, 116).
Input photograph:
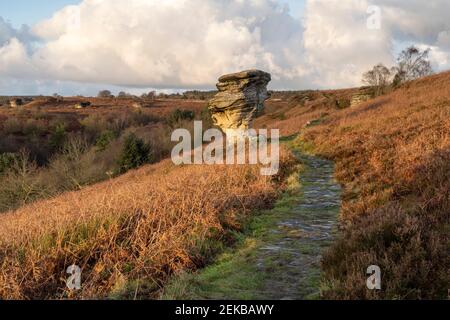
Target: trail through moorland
point(279, 256)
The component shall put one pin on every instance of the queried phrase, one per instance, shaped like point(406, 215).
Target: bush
point(343, 103)
point(139, 118)
point(105, 94)
point(20, 184)
point(135, 153)
point(104, 140)
point(58, 137)
point(12, 126)
point(6, 161)
point(179, 115)
point(33, 127)
point(93, 126)
point(76, 166)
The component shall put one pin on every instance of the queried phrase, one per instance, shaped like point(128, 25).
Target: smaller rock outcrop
point(302, 98)
point(364, 94)
point(14, 103)
point(137, 105)
point(82, 105)
point(240, 98)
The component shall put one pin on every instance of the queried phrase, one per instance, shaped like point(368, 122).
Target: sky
point(29, 12)
point(82, 46)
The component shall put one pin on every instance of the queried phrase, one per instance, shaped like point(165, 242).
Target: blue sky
point(20, 12)
point(29, 12)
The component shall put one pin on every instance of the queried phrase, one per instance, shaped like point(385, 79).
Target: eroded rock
point(240, 98)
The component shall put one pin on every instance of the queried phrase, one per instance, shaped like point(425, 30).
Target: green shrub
point(104, 140)
point(58, 137)
point(135, 153)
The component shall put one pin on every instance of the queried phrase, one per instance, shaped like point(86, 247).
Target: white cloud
point(15, 62)
point(189, 43)
point(416, 20)
point(7, 32)
point(443, 39)
point(174, 43)
point(339, 44)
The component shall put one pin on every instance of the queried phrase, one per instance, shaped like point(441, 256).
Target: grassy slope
point(128, 234)
point(393, 158)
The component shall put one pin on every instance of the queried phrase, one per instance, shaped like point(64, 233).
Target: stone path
point(292, 261)
point(280, 255)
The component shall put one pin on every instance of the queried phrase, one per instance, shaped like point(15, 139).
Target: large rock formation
point(241, 96)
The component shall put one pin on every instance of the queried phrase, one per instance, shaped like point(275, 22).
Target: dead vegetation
point(292, 111)
point(138, 228)
point(129, 234)
point(393, 158)
point(48, 146)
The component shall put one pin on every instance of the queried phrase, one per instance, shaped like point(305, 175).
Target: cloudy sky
point(79, 47)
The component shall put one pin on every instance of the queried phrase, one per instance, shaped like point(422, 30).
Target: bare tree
point(123, 94)
point(149, 96)
point(105, 94)
point(412, 63)
point(378, 78)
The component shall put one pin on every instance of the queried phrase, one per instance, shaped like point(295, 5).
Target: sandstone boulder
point(240, 98)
